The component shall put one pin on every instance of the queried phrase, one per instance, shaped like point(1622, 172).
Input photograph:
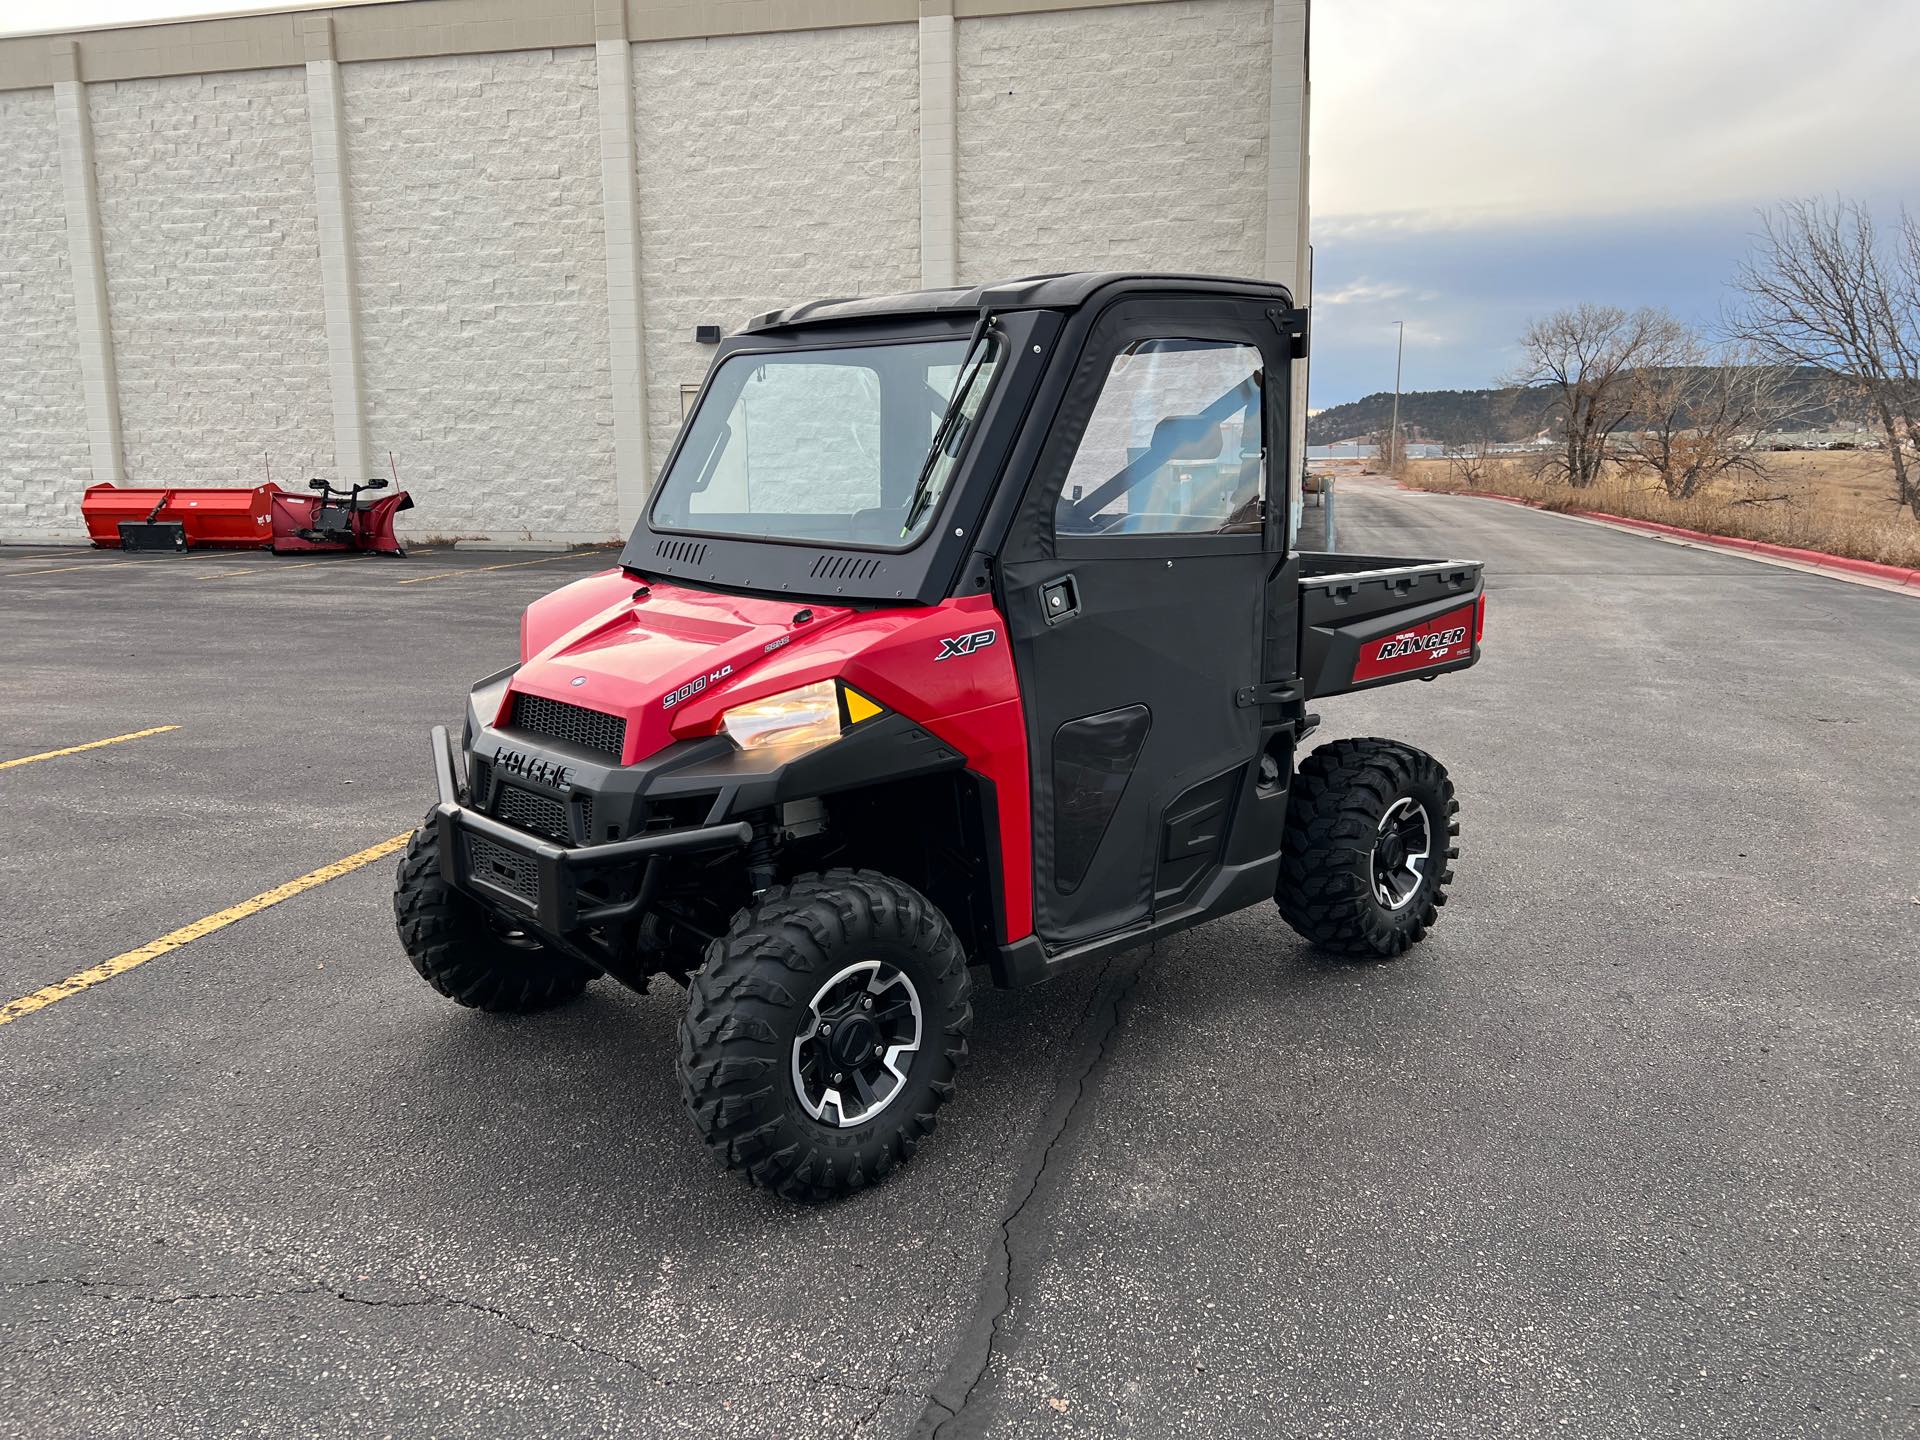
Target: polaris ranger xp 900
point(963, 632)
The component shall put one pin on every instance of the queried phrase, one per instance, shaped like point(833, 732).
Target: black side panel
point(1093, 758)
point(1192, 836)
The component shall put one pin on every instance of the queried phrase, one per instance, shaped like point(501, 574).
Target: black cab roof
point(1065, 291)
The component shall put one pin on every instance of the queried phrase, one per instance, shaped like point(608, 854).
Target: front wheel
point(1369, 840)
point(467, 954)
point(823, 1033)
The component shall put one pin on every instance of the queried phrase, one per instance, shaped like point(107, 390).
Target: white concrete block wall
point(473, 253)
point(1124, 137)
point(475, 200)
point(773, 169)
point(205, 189)
point(43, 425)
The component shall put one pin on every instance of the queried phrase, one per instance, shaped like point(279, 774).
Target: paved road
point(1627, 1148)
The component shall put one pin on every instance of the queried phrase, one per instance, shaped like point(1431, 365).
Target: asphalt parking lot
point(1627, 1148)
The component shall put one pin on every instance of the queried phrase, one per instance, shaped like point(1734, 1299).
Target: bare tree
point(1700, 417)
point(1820, 288)
point(1580, 362)
point(1467, 461)
point(1389, 450)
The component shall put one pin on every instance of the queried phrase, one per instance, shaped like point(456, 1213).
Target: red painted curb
point(1893, 574)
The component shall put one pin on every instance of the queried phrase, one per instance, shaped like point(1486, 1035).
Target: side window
point(1174, 445)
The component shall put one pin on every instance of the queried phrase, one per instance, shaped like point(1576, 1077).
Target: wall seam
point(93, 325)
point(939, 147)
point(620, 219)
point(1288, 259)
point(346, 373)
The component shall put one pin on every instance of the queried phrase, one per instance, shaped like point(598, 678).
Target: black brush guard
point(556, 908)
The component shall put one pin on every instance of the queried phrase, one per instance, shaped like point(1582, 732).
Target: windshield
point(833, 446)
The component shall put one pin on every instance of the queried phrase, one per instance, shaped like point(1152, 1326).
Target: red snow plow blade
point(261, 517)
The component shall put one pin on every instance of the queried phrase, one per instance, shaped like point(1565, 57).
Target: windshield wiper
point(970, 367)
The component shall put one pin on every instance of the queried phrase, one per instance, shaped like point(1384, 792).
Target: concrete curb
point(1872, 569)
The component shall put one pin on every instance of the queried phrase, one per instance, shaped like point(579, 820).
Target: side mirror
point(376, 485)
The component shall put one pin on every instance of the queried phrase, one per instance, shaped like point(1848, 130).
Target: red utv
point(964, 632)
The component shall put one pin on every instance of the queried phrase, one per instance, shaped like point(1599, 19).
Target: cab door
point(1135, 582)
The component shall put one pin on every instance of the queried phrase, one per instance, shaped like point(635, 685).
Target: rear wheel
point(823, 1033)
point(467, 953)
point(1369, 841)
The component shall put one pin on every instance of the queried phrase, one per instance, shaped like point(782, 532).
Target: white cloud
point(1432, 116)
point(1362, 292)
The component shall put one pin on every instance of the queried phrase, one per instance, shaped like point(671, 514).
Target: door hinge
point(1294, 325)
point(1274, 692)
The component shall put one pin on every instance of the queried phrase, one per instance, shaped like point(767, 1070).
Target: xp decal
point(1444, 638)
point(955, 646)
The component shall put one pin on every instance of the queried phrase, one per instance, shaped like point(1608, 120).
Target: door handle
point(1060, 599)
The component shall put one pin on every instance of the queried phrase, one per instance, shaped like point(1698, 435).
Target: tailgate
point(1368, 620)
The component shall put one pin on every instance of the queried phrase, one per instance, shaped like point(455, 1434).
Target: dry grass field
point(1840, 502)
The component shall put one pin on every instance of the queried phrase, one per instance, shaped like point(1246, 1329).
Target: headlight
point(794, 720)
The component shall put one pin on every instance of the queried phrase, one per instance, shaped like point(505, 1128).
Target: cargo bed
point(1368, 620)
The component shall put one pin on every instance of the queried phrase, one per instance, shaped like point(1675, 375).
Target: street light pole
point(1393, 435)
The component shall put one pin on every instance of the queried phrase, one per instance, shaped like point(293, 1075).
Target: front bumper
point(537, 878)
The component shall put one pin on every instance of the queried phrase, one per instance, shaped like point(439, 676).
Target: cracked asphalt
point(1625, 1148)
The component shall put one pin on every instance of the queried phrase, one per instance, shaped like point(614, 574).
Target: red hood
point(602, 648)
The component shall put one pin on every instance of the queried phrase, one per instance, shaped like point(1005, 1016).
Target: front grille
point(586, 818)
point(479, 781)
point(506, 868)
point(530, 810)
point(575, 724)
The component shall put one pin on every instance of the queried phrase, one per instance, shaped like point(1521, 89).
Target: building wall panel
point(474, 191)
point(43, 426)
point(773, 169)
point(1129, 137)
point(205, 187)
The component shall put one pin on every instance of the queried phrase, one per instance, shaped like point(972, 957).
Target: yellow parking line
point(245, 572)
point(91, 565)
point(174, 939)
point(90, 745)
point(477, 569)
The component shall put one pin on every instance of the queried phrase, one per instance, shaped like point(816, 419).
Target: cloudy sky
point(1479, 161)
point(1484, 160)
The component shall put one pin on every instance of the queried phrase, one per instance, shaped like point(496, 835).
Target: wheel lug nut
point(838, 1077)
point(867, 1004)
point(879, 1049)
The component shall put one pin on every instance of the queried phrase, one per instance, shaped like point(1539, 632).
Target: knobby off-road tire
point(758, 1003)
point(463, 953)
point(1347, 796)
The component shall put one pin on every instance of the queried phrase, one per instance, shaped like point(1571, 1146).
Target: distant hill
point(1510, 413)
